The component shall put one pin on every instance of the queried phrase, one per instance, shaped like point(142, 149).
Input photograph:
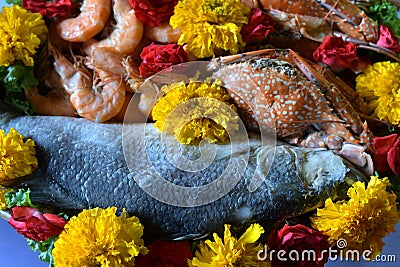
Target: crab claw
point(357, 155)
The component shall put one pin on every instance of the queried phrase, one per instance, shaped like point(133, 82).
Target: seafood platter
point(200, 132)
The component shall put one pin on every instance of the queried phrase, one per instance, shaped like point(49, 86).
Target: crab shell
point(347, 17)
point(277, 89)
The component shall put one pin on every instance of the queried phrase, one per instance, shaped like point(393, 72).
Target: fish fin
point(49, 194)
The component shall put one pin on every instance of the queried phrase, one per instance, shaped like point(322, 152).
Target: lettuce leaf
point(18, 198)
point(14, 79)
point(385, 13)
point(14, 2)
point(45, 248)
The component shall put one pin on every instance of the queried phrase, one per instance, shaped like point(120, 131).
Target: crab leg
point(342, 107)
point(369, 46)
point(331, 92)
point(350, 19)
point(354, 98)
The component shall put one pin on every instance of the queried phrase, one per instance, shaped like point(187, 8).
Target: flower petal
point(252, 234)
point(394, 157)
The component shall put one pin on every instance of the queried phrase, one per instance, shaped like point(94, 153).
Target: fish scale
point(83, 164)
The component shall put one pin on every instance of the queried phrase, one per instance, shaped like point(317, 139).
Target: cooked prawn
point(251, 3)
point(102, 100)
point(54, 103)
point(108, 60)
point(92, 19)
point(127, 33)
point(163, 33)
point(129, 111)
point(132, 69)
point(57, 41)
point(97, 99)
point(88, 45)
point(72, 75)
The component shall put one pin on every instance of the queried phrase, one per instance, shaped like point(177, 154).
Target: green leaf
point(21, 105)
point(45, 248)
point(14, 2)
point(64, 216)
point(395, 185)
point(14, 80)
point(3, 72)
point(385, 13)
point(19, 77)
point(18, 198)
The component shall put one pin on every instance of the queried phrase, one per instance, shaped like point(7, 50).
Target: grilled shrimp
point(55, 103)
point(102, 100)
point(92, 19)
point(163, 33)
point(97, 99)
point(131, 114)
point(57, 41)
point(106, 59)
point(251, 3)
point(128, 31)
point(132, 69)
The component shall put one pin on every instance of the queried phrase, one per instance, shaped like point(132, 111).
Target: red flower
point(153, 12)
point(394, 157)
point(387, 153)
point(161, 254)
point(338, 54)
point(157, 57)
point(387, 40)
point(258, 27)
point(49, 9)
point(35, 225)
point(298, 238)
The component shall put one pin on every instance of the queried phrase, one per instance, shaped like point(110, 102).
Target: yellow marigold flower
point(98, 237)
point(21, 33)
point(209, 26)
point(3, 191)
point(17, 158)
point(196, 111)
point(369, 215)
point(230, 251)
point(380, 87)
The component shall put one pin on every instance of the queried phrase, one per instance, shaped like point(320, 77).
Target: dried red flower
point(387, 153)
point(35, 225)
point(339, 54)
point(153, 12)
point(161, 253)
point(387, 39)
point(259, 26)
point(157, 57)
point(299, 238)
point(49, 9)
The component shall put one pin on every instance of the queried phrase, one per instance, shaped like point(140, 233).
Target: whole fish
point(177, 191)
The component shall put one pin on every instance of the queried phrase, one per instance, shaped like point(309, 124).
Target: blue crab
point(280, 89)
